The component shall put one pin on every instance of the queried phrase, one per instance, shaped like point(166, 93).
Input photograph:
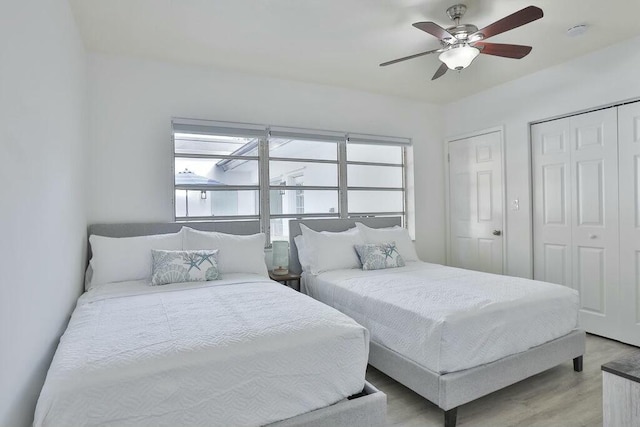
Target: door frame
point(503, 196)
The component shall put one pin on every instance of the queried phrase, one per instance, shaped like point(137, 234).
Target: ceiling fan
point(462, 43)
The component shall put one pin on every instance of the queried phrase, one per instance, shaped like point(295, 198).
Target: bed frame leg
point(450, 417)
point(577, 364)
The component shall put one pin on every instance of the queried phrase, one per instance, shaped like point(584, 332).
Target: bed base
point(450, 416)
point(448, 391)
point(368, 409)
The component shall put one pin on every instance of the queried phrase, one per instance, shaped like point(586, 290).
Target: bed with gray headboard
point(448, 390)
point(165, 384)
point(331, 225)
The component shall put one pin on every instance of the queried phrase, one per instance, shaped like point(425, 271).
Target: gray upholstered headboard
point(331, 224)
point(146, 229)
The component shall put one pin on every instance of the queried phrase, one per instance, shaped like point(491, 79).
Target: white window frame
point(265, 133)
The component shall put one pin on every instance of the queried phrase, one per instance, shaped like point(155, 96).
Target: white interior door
point(595, 224)
point(575, 167)
point(629, 166)
point(552, 244)
point(476, 203)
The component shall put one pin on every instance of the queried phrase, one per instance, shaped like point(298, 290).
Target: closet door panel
point(552, 208)
point(591, 279)
point(554, 200)
point(594, 162)
point(555, 266)
point(590, 200)
point(629, 166)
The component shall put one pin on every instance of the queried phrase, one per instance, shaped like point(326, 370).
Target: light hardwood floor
point(558, 397)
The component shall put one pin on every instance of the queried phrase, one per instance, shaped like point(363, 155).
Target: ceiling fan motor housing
point(456, 12)
point(462, 32)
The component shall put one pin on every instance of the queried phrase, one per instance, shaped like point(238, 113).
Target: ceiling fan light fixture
point(459, 57)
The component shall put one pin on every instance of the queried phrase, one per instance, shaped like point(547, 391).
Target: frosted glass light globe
point(460, 57)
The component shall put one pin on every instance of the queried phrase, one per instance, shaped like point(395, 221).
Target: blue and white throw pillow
point(377, 256)
point(184, 266)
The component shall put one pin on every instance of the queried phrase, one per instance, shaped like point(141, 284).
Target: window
point(375, 178)
point(216, 172)
point(228, 171)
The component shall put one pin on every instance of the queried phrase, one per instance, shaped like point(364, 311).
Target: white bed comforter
point(243, 351)
point(448, 319)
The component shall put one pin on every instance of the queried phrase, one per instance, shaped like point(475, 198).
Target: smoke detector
point(577, 30)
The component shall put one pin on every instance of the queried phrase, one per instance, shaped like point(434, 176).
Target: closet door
point(629, 165)
point(576, 212)
point(595, 220)
point(551, 152)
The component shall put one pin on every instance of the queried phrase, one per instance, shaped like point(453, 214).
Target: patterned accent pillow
point(183, 266)
point(377, 256)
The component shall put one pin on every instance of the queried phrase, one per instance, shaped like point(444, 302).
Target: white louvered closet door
point(629, 165)
point(576, 213)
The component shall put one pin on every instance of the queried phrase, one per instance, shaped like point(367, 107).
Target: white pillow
point(238, 254)
point(304, 257)
point(119, 259)
point(396, 234)
point(331, 251)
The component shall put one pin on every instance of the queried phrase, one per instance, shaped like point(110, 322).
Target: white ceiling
point(341, 42)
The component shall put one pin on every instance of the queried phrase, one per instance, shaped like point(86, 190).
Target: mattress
point(448, 319)
point(243, 351)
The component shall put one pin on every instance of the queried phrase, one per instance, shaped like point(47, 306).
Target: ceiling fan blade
point(434, 29)
point(515, 51)
point(384, 64)
point(515, 20)
point(440, 71)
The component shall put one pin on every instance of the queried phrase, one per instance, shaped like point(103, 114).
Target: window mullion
point(343, 202)
point(404, 187)
point(265, 219)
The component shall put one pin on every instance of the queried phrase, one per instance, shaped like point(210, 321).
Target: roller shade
point(207, 127)
point(356, 138)
point(306, 134)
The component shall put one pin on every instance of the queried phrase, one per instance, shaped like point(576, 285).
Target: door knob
point(497, 232)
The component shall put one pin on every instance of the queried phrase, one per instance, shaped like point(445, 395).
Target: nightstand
point(288, 279)
point(621, 391)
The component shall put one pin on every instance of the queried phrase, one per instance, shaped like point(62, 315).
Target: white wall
point(597, 79)
point(133, 100)
point(42, 138)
